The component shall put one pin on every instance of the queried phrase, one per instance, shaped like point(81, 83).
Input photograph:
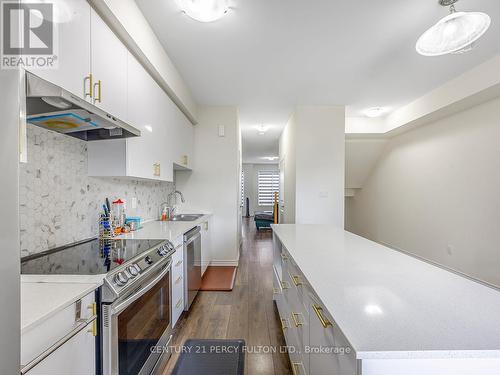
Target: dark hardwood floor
point(247, 312)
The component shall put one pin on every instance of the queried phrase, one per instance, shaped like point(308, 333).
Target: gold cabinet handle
point(296, 367)
point(178, 263)
point(178, 304)
point(276, 291)
point(93, 329)
point(99, 91)
point(295, 320)
point(178, 280)
point(319, 313)
point(284, 325)
point(284, 285)
point(93, 308)
point(284, 257)
point(295, 279)
point(91, 85)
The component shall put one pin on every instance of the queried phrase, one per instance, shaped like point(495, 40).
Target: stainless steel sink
point(186, 217)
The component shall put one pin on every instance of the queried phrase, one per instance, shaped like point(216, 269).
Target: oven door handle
point(143, 290)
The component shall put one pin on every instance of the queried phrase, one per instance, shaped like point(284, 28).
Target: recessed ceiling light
point(455, 33)
point(204, 10)
point(262, 129)
point(373, 310)
point(375, 112)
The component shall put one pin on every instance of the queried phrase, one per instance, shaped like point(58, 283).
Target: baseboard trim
point(222, 263)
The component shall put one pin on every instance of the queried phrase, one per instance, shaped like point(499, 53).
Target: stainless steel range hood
point(51, 107)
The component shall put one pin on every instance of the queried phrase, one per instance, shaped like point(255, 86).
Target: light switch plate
point(222, 131)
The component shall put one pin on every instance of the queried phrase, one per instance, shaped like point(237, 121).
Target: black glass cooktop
point(90, 257)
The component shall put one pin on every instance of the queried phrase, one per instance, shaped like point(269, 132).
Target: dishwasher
point(192, 265)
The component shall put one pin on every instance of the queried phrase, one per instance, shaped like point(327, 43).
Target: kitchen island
point(382, 311)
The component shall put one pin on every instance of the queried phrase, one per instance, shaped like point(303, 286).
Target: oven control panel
point(134, 270)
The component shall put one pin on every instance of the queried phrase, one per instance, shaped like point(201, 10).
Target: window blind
point(268, 184)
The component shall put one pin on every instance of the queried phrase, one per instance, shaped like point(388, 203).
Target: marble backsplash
point(60, 204)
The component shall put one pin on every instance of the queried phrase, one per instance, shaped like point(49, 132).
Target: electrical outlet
point(450, 249)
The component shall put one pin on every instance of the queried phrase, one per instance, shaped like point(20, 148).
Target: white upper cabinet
point(73, 50)
point(183, 146)
point(109, 68)
point(148, 156)
point(151, 111)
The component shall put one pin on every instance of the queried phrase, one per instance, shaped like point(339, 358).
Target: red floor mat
point(218, 279)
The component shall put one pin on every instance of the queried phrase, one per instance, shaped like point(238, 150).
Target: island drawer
point(330, 351)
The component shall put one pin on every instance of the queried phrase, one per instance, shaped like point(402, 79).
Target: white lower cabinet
point(316, 345)
point(206, 247)
point(326, 336)
point(66, 340)
point(76, 356)
point(177, 282)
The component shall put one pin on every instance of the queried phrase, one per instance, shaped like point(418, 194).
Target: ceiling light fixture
point(375, 112)
point(455, 33)
point(204, 10)
point(262, 129)
point(271, 158)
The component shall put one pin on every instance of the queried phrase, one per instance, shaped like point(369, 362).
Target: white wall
point(10, 330)
point(288, 169)
point(214, 183)
point(435, 192)
point(361, 155)
point(320, 165)
point(312, 151)
point(251, 173)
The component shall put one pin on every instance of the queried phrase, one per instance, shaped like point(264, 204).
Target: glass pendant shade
point(454, 33)
point(204, 10)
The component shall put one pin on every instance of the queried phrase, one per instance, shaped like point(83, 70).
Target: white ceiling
point(266, 56)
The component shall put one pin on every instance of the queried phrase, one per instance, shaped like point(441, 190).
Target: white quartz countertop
point(164, 230)
point(391, 305)
point(40, 300)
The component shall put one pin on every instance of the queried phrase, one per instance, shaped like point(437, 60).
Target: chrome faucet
point(169, 199)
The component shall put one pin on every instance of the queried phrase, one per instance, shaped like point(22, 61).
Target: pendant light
point(455, 33)
point(204, 10)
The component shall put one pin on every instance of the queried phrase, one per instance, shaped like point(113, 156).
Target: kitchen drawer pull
point(295, 320)
point(276, 291)
point(80, 327)
point(93, 329)
point(93, 308)
point(178, 280)
point(178, 304)
point(296, 367)
point(295, 279)
point(284, 325)
point(99, 91)
point(91, 85)
point(284, 257)
point(319, 313)
point(178, 263)
point(284, 285)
